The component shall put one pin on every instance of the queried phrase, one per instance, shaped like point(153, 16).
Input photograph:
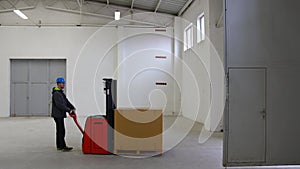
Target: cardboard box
point(138, 131)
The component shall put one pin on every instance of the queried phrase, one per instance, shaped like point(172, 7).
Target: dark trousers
point(60, 132)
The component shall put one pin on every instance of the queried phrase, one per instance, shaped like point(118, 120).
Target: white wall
point(96, 60)
point(178, 64)
point(203, 64)
point(91, 53)
point(217, 73)
point(197, 60)
point(51, 43)
point(138, 69)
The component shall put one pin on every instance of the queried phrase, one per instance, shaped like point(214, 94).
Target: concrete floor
point(28, 143)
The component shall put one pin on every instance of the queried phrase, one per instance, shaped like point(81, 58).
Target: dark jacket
point(60, 104)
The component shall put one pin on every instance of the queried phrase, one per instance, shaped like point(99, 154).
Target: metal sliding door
point(19, 88)
point(38, 88)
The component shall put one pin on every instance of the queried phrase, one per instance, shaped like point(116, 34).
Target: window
point(200, 28)
point(188, 37)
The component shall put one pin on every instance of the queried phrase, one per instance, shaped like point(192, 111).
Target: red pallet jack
point(94, 136)
point(74, 116)
point(98, 134)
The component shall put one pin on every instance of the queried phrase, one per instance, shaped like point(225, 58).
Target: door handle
point(263, 113)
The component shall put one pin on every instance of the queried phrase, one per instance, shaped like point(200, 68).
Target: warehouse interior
point(217, 79)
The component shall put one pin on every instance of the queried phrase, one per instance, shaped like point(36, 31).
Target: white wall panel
point(139, 69)
point(263, 33)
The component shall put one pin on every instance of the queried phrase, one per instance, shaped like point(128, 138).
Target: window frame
point(188, 37)
point(201, 28)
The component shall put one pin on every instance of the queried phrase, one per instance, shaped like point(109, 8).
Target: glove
point(72, 113)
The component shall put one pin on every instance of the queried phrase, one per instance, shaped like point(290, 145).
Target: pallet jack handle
point(74, 116)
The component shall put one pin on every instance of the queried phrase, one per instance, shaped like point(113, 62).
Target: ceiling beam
point(51, 3)
point(132, 3)
point(13, 5)
point(187, 4)
point(23, 8)
point(80, 2)
point(103, 16)
point(157, 6)
point(2, 6)
point(128, 6)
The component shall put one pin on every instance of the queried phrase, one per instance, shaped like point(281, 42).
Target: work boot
point(66, 149)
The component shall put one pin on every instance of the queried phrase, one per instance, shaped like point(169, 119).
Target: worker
point(60, 106)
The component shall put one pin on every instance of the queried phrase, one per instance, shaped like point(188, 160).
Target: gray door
point(38, 87)
point(19, 88)
point(31, 83)
point(247, 107)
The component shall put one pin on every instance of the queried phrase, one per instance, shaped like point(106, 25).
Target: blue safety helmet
point(60, 80)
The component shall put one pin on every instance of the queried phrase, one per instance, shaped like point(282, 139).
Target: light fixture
point(117, 15)
point(20, 14)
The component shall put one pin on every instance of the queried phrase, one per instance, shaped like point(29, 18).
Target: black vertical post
point(111, 96)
